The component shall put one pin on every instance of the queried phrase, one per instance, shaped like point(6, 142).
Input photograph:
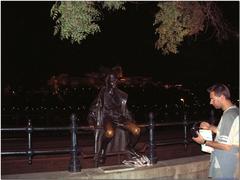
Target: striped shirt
point(228, 127)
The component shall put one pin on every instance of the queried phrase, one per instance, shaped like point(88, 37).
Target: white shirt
point(233, 137)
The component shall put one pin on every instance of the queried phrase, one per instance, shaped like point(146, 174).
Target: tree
point(174, 21)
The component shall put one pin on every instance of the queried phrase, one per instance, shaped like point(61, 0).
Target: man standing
point(225, 157)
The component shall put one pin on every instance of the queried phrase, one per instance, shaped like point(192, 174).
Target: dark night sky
point(30, 51)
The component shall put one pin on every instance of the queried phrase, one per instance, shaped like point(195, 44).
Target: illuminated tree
point(180, 19)
point(174, 21)
point(75, 20)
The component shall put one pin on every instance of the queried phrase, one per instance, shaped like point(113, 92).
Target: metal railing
point(74, 164)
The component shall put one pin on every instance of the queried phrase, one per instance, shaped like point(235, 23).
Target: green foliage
point(114, 5)
point(175, 21)
point(75, 20)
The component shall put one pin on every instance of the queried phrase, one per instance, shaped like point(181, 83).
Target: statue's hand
point(92, 126)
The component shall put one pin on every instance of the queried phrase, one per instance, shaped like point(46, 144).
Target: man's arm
point(217, 145)
point(213, 144)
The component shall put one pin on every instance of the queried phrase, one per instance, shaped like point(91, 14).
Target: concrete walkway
point(195, 167)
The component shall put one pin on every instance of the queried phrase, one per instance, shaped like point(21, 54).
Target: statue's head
point(111, 81)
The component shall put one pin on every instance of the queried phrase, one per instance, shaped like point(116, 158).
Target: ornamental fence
point(74, 164)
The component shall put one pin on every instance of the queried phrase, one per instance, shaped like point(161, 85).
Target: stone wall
point(195, 167)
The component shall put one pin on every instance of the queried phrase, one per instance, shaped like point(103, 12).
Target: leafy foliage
point(75, 20)
point(174, 21)
point(114, 5)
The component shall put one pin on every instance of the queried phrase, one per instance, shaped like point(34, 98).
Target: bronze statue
point(108, 113)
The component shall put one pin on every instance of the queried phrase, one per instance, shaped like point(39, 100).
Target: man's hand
point(207, 126)
point(198, 139)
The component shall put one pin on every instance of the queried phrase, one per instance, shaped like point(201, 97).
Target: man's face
point(216, 101)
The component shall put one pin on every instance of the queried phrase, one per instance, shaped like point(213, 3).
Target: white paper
point(207, 135)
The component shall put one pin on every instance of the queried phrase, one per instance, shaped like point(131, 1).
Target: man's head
point(219, 94)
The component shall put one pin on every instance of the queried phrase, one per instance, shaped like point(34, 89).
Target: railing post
point(74, 165)
point(152, 154)
point(185, 141)
point(185, 123)
point(29, 130)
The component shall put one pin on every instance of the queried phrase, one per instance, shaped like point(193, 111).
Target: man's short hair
point(220, 89)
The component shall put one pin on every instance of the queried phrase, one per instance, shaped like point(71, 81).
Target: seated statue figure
point(110, 117)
